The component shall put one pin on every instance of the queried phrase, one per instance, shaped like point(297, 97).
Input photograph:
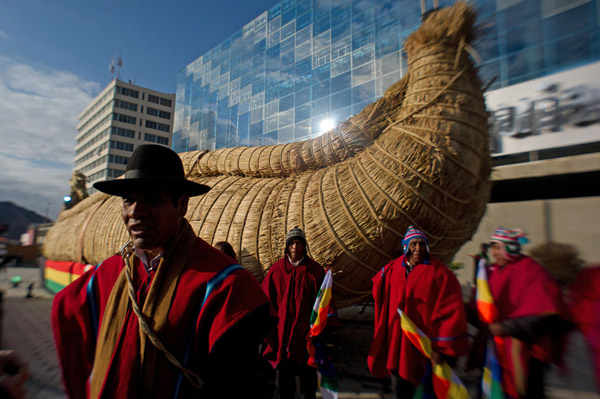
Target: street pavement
point(25, 327)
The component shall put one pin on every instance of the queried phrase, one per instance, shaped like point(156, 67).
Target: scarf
point(155, 309)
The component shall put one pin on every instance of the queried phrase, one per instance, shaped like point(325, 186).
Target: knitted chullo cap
point(510, 240)
point(410, 235)
point(294, 234)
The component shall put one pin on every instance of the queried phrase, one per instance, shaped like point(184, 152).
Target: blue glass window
point(364, 92)
point(302, 130)
point(287, 45)
point(525, 63)
point(275, 11)
point(341, 99)
point(322, 8)
point(286, 134)
point(321, 106)
point(303, 35)
point(286, 88)
point(288, 30)
point(323, 72)
point(321, 25)
point(574, 49)
point(286, 118)
point(256, 129)
point(272, 94)
point(341, 82)
point(362, 74)
point(286, 103)
point(303, 112)
point(303, 21)
point(303, 96)
point(362, 56)
point(323, 88)
point(288, 16)
point(271, 124)
point(303, 6)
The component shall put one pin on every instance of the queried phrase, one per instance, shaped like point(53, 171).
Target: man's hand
point(496, 329)
point(13, 374)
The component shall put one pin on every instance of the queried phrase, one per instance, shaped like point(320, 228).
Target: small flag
point(491, 381)
point(317, 354)
point(446, 383)
point(318, 317)
point(486, 309)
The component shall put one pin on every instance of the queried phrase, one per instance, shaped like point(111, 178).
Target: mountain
point(16, 219)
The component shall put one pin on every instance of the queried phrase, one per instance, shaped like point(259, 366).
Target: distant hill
point(16, 219)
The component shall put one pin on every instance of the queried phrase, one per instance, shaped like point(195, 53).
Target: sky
point(54, 60)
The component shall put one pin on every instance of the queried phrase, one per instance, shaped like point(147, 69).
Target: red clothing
point(200, 332)
point(431, 297)
point(522, 288)
point(584, 306)
point(292, 291)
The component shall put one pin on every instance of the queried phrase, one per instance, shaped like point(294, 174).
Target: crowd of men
point(171, 316)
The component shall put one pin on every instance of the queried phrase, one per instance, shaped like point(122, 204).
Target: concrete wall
point(574, 221)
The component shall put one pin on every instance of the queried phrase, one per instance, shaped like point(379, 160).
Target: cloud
point(39, 110)
point(4, 35)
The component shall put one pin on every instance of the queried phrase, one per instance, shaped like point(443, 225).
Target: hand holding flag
point(446, 383)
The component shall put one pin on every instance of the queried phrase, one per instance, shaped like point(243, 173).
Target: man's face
point(496, 250)
point(418, 251)
point(151, 218)
point(296, 250)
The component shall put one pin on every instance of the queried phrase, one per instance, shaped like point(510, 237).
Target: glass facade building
point(303, 66)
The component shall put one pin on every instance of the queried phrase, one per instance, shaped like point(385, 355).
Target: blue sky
point(54, 59)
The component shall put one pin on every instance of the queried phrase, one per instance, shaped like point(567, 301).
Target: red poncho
point(201, 330)
point(584, 306)
point(292, 291)
point(523, 288)
point(431, 297)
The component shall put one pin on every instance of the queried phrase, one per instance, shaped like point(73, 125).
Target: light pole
point(48, 210)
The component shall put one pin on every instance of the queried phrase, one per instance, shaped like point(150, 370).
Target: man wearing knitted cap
point(429, 294)
point(292, 285)
point(529, 306)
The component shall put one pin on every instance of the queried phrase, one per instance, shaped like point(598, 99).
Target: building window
point(121, 146)
point(126, 105)
point(124, 118)
point(119, 131)
point(114, 173)
point(156, 139)
point(159, 100)
point(158, 126)
point(117, 159)
point(158, 112)
point(128, 92)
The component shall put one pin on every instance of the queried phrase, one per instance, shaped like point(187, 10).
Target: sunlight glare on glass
point(326, 125)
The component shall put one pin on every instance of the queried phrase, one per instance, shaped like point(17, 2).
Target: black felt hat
point(151, 166)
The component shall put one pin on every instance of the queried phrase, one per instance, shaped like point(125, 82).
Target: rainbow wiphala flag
point(317, 354)
point(446, 383)
point(491, 382)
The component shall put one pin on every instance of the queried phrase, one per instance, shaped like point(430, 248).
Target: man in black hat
point(169, 316)
point(292, 285)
